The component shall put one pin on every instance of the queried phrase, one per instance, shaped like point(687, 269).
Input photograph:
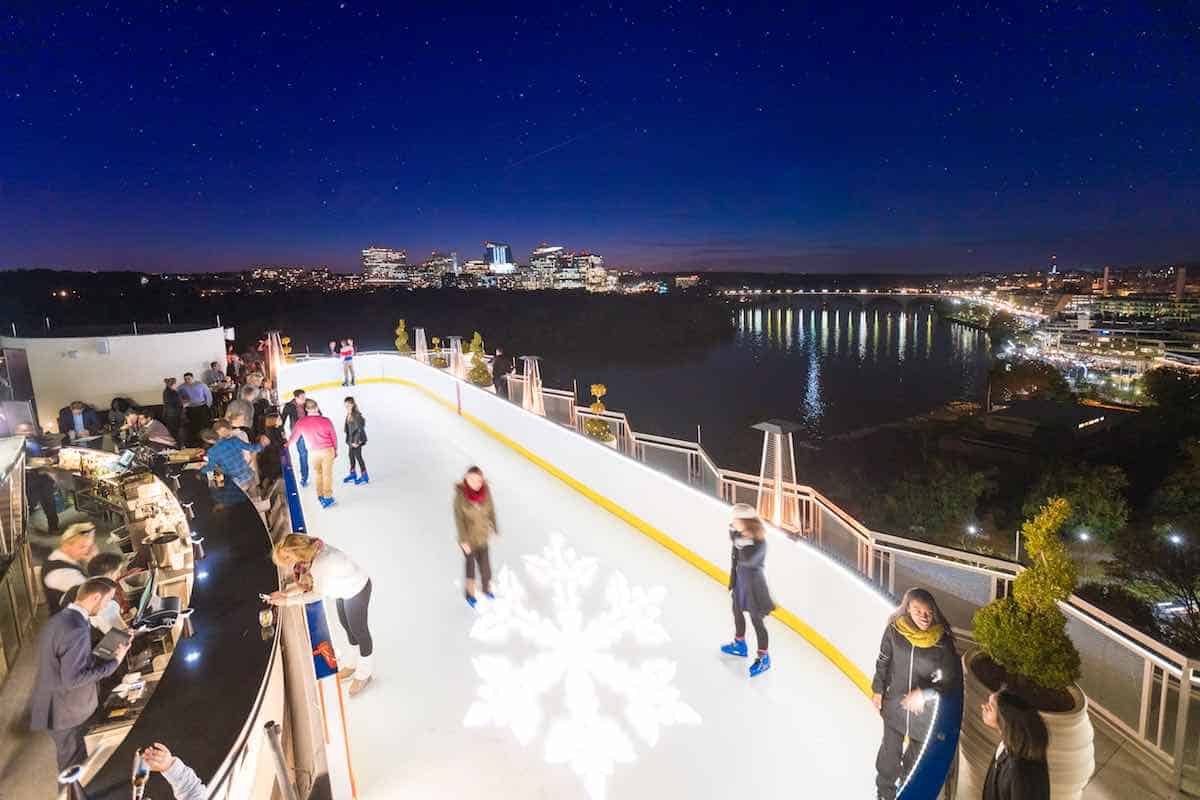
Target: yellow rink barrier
point(788, 618)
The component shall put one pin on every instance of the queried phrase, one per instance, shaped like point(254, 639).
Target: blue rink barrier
point(292, 492)
point(929, 773)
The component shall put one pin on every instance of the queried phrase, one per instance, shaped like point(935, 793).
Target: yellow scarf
point(917, 637)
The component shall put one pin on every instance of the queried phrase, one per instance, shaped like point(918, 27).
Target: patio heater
point(275, 358)
point(531, 397)
point(458, 365)
point(421, 353)
point(778, 469)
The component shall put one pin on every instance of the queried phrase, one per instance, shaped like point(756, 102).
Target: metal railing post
point(281, 770)
point(1181, 719)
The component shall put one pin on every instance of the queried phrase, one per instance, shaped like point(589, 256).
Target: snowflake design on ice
point(574, 651)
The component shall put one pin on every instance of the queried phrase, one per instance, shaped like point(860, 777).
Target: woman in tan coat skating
point(475, 518)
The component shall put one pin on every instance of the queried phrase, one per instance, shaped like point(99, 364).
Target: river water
point(832, 368)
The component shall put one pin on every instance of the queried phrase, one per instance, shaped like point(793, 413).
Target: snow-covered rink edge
point(595, 673)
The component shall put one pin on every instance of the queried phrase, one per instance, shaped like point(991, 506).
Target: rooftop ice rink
point(596, 671)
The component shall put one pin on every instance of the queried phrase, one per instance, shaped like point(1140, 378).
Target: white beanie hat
point(744, 511)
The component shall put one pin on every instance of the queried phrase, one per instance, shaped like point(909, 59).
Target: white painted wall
point(74, 368)
point(832, 599)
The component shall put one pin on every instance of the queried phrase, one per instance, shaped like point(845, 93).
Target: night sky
point(219, 135)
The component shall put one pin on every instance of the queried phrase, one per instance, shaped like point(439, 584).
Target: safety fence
point(1141, 687)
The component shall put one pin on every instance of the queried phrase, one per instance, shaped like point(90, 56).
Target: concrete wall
point(66, 369)
point(846, 614)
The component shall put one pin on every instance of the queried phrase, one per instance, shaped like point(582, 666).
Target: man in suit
point(64, 693)
point(78, 420)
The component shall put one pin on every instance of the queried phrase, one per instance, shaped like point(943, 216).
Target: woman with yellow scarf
point(917, 661)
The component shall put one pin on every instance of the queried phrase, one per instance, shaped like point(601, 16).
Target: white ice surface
point(801, 730)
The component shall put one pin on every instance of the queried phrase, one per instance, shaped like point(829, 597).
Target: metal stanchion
point(274, 736)
point(71, 789)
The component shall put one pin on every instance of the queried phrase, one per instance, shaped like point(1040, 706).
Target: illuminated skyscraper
point(383, 265)
point(498, 256)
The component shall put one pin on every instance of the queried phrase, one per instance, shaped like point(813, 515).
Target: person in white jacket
point(322, 571)
point(185, 783)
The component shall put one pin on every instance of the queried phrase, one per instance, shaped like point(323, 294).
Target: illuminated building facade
point(384, 266)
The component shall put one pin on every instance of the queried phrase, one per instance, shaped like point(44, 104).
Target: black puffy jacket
point(901, 667)
point(1011, 778)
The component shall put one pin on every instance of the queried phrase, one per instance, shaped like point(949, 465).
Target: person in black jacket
point(502, 364)
point(748, 585)
point(172, 413)
point(917, 661)
point(293, 412)
point(356, 437)
point(1018, 772)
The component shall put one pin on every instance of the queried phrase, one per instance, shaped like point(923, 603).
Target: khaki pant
point(321, 462)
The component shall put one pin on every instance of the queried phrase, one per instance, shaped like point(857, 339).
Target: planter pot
point(1071, 756)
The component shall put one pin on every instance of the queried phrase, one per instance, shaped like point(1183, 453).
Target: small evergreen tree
point(598, 428)
point(438, 360)
point(402, 339)
point(1025, 632)
point(479, 374)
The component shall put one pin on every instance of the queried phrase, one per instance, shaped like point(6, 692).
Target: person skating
point(323, 571)
point(347, 356)
point(917, 661)
point(475, 519)
point(293, 412)
point(321, 440)
point(748, 586)
point(502, 365)
point(356, 437)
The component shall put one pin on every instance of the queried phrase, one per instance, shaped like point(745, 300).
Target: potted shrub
point(1023, 644)
point(402, 339)
point(598, 429)
point(479, 374)
point(438, 359)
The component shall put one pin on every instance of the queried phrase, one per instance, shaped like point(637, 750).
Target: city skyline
point(681, 139)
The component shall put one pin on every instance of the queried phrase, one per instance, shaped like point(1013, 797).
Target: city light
point(972, 530)
point(1175, 538)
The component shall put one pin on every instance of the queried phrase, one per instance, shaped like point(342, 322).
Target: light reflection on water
point(832, 367)
point(904, 362)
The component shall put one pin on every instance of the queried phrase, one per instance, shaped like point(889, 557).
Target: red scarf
point(474, 496)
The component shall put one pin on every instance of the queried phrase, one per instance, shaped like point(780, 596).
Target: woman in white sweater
point(322, 571)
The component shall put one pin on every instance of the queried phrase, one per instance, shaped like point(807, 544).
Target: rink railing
point(1134, 683)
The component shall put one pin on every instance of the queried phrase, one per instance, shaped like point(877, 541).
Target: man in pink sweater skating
point(321, 440)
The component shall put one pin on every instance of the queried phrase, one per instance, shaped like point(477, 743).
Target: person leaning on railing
point(185, 783)
point(917, 661)
point(226, 455)
point(322, 571)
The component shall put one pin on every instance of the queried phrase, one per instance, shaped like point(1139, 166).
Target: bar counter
point(210, 693)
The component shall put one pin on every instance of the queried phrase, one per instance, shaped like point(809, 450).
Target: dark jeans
point(69, 746)
point(198, 418)
point(302, 451)
point(739, 625)
point(352, 613)
point(356, 458)
point(891, 766)
point(39, 487)
point(480, 556)
point(501, 387)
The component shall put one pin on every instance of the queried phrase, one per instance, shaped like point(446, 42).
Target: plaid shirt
point(226, 455)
